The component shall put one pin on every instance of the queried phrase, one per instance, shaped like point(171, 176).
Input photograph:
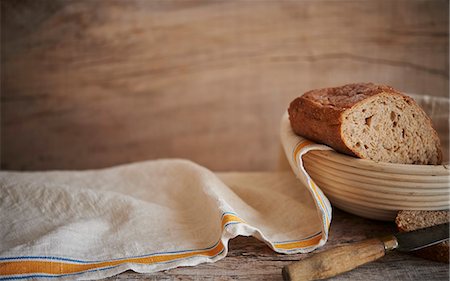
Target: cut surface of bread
point(368, 121)
point(412, 220)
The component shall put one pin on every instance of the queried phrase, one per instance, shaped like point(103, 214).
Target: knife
point(345, 258)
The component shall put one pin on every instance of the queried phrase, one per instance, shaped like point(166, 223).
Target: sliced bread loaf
point(368, 121)
point(412, 220)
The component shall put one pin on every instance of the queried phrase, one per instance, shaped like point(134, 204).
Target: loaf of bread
point(412, 220)
point(368, 121)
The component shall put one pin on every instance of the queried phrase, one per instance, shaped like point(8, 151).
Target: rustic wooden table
point(250, 259)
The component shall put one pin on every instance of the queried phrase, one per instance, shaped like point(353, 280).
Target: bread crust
point(318, 114)
point(317, 123)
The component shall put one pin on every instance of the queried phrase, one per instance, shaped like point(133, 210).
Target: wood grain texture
point(250, 259)
point(89, 84)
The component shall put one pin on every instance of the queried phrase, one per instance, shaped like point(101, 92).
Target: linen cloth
point(151, 216)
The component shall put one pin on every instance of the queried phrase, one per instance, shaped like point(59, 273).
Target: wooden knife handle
point(337, 260)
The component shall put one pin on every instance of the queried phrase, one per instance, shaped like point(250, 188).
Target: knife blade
point(347, 257)
point(425, 237)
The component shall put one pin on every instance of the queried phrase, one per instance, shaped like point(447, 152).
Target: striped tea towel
point(295, 147)
point(147, 217)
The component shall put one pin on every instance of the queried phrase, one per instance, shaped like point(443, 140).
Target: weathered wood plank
point(87, 84)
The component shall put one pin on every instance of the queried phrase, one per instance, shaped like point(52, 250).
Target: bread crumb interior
point(389, 128)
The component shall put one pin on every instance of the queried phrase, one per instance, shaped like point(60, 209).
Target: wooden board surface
point(250, 259)
point(89, 84)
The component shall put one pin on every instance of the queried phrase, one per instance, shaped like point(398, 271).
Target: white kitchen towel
point(295, 147)
point(149, 216)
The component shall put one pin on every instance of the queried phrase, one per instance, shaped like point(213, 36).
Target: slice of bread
point(368, 121)
point(412, 220)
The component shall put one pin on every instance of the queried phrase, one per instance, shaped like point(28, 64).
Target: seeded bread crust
point(319, 114)
point(412, 220)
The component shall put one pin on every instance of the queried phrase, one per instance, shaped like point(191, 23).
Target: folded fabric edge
point(295, 147)
point(47, 267)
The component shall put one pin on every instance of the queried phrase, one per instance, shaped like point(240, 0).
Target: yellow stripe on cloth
point(314, 186)
point(297, 151)
point(229, 218)
point(300, 244)
point(57, 267)
point(299, 147)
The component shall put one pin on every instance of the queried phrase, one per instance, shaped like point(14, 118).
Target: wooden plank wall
point(90, 84)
